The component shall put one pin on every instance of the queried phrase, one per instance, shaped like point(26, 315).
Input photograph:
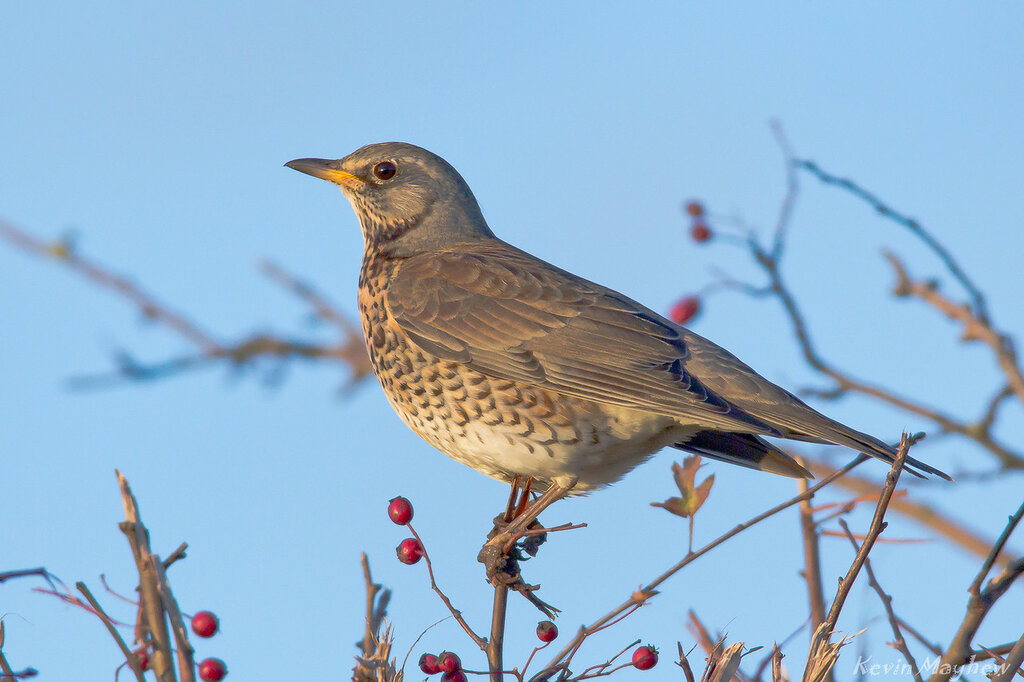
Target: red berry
point(212, 670)
point(457, 676)
point(205, 624)
point(685, 309)
point(142, 653)
point(547, 631)
point(409, 551)
point(428, 664)
point(400, 511)
point(449, 663)
point(700, 233)
point(695, 209)
point(645, 657)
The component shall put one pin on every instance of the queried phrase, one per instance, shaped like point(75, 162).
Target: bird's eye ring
point(385, 170)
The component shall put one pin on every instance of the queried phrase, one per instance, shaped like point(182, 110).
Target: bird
point(525, 371)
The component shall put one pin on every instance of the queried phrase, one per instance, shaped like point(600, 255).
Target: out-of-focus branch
point(920, 512)
point(812, 558)
point(976, 328)
point(375, 664)
point(209, 350)
point(977, 298)
point(769, 260)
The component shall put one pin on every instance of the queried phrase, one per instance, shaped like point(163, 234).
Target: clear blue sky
point(158, 133)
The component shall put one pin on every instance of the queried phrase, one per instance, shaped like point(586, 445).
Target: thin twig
point(477, 639)
point(920, 512)
point(584, 632)
point(997, 548)
point(823, 634)
point(129, 655)
point(185, 652)
point(978, 299)
point(900, 642)
point(350, 351)
point(980, 602)
point(976, 328)
point(1012, 665)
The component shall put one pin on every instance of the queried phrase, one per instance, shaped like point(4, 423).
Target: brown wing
point(509, 315)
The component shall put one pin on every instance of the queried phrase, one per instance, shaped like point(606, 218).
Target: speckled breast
point(499, 427)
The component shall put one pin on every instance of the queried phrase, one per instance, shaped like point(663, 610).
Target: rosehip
point(205, 624)
point(142, 653)
point(457, 676)
point(685, 309)
point(645, 657)
point(428, 664)
point(547, 631)
point(700, 233)
point(212, 670)
point(449, 663)
point(400, 511)
point(695, 209)
point(409, 551)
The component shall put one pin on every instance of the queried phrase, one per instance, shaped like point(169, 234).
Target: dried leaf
point(693, 496)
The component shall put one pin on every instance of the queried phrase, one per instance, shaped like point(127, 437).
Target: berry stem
point(456, 614)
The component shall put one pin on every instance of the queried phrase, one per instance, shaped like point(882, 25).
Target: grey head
point(408, 199)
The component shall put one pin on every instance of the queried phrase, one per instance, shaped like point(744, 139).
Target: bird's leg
point(510, 509)
point(524, 499)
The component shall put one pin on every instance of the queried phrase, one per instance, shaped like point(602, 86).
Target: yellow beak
point(325, 169)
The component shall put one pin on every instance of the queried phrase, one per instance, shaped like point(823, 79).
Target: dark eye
point(384, 170)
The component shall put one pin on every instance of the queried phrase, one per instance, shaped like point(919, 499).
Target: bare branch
point(977, 298)
point(129, 655)
point(900, 642)
point(650, 587)
point(920, 512)
point(979, 604)
point(1012, 665)
point(350, 350)
point(976, 327)
point(822, 635)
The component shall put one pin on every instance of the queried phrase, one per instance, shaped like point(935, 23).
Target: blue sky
point(157, 134)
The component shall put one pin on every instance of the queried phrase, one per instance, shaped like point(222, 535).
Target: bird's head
point(407, 199)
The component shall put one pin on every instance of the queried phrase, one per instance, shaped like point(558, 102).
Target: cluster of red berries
point(699, 230)
point(446, 663)
point(686, 308)
point(204, 624)
point(409, 550)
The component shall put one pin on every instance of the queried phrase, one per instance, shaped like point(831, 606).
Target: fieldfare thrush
point(522, 370)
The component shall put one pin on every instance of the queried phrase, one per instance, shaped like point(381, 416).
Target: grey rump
point(513, 366)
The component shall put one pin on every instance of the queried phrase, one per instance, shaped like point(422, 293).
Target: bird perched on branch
point(522, 370)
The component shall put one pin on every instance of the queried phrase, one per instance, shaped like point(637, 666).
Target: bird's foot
point(515, 533)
